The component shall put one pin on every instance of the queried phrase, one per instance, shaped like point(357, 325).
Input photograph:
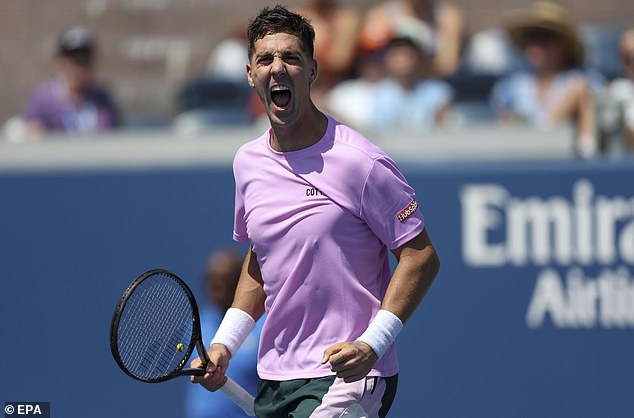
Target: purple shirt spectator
point(71, 102)
point(51, 108)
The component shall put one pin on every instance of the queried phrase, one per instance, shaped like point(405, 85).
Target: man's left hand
point(351, 361)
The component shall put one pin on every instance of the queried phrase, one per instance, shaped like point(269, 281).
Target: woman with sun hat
point(556, 89)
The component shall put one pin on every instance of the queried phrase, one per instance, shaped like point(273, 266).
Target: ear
point(249, 76)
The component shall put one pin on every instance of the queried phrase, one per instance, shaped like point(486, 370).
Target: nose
point(277, 67)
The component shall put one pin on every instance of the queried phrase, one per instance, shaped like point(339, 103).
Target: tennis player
point(321, 206)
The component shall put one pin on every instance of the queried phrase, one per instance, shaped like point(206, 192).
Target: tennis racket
point(154, 331)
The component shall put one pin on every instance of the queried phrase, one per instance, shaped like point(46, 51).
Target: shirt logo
point(313, 191)
point(407, 211)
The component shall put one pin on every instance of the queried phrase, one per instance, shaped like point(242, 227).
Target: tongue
point(281, 98)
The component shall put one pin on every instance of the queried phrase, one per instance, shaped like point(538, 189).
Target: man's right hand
point(215, 378)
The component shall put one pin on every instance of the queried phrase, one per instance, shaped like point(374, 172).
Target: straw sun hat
point(545, 16)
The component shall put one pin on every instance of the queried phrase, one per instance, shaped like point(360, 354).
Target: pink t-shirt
point(321, 221)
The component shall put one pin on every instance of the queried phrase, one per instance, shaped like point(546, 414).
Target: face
point(403, 61)
point(221, 280)
point(220, 291)
point(545, 50)
point(77, 72)
point(281, 73)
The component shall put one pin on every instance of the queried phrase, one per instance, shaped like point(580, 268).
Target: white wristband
point(382, 332)
point(234, 329)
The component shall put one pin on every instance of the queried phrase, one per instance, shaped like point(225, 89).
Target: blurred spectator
point(556, 89)
point(437, 26)
point(406, 99)
point(221, 96)
point(71, 102)
point(619, 106)
point(221, 278)
point(229, 58)
point(206, 102)
point(336, 30)
point(352, 101)
point(491, 52)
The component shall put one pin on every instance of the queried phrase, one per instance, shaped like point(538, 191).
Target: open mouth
point(281, 95)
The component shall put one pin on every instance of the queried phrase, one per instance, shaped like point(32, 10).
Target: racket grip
point(240, 396)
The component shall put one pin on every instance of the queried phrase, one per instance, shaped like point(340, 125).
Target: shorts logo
point(407, 211)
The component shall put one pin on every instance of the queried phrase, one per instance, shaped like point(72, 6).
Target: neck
point(549, 70)
point(408, 83)
point(73, 94)
point(546, 76)
point(302, 134)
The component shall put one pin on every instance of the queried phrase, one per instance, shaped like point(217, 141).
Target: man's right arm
point(249, 299)
point(250, 294)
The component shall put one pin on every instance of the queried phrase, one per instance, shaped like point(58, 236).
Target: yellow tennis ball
point(180, 347)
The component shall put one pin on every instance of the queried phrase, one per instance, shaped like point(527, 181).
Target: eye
point(292, 58)
point(264, 59)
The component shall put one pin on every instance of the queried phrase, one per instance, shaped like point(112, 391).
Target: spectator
point(221, 96)
point(221, 278)
point(352, 101)
point(556, 89)
point(71, 102)
point(437, 26)
point(228, 58)
point(406, 99)
point(491, 52)
point(336, 30)
point(621, 91)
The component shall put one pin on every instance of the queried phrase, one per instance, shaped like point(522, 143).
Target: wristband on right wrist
point(233, 330)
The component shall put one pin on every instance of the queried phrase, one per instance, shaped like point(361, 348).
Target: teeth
point(280, 88)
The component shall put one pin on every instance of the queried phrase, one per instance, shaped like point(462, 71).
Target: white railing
point(145, 149)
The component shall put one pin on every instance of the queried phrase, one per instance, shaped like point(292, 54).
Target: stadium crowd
point(400, 65)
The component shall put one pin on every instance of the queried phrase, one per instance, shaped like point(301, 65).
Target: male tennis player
point(321, 205)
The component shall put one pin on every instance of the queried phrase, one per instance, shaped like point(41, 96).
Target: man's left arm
point(417, 267)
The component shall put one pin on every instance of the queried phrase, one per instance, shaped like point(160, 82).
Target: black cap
point(76, 39)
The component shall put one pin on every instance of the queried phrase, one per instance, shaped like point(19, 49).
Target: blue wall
point(71, 242)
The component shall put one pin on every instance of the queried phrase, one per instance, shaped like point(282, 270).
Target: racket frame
point(196, 331)
point(233, 390)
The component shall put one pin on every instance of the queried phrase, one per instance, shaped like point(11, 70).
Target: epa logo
point(27, 409)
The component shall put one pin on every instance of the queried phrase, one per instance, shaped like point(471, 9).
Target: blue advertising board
point(532, 314)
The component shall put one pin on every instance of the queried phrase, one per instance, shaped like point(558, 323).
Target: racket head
point(155, 327)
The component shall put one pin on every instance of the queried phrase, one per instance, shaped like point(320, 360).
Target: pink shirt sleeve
point(389, 205)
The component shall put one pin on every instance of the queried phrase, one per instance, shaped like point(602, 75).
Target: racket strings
point(150, 354)
point(159, 355)
point(166, 354)
point(156, 355)
point(156, 319)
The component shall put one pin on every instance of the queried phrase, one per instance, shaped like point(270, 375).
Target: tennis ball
point(180, 347)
